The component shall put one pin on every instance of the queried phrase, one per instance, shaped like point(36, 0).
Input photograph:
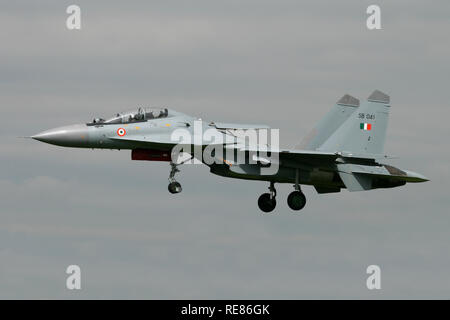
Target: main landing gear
point(296, 199)
point(267, 201)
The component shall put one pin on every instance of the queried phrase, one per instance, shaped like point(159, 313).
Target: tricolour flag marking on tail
point(365, 126)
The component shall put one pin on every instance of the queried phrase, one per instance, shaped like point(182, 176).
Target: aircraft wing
point(288, 157)
point(313, 155)
point(307, 156)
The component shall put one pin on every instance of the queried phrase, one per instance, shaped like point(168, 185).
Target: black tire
point(174, 187)
point(266, 203)
point(296, 200)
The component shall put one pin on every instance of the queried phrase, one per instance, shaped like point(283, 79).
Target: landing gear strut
point(267, 201)
point(296, 199)
point(174, 185)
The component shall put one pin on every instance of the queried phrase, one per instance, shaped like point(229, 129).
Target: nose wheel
point(175, 187)
point(267, 201)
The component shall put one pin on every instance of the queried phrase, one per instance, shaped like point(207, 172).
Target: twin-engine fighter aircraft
point(344, 150)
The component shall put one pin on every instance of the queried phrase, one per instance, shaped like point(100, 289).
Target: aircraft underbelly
point(284, 174)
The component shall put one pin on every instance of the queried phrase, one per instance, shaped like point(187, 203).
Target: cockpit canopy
point(140, 115)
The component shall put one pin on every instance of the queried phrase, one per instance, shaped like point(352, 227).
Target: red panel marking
point(150, 155)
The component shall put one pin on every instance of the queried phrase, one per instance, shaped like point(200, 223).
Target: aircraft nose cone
point(68, 136)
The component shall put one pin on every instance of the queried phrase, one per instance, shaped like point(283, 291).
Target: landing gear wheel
point(266, 202)
point(296, 200)
point(175, 187)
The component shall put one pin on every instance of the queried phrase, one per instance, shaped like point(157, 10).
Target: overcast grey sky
point(282, 63)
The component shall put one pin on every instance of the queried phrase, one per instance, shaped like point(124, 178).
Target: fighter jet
point(343, 151)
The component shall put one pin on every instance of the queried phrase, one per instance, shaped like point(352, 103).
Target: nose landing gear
point(267, 201)
point(174, 185)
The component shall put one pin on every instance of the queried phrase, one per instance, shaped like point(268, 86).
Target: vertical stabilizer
point(340, 112)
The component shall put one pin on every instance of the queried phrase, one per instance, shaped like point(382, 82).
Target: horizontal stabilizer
point(353, 181)
point(409, 176)
point(357, 177)
point(321, 190)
